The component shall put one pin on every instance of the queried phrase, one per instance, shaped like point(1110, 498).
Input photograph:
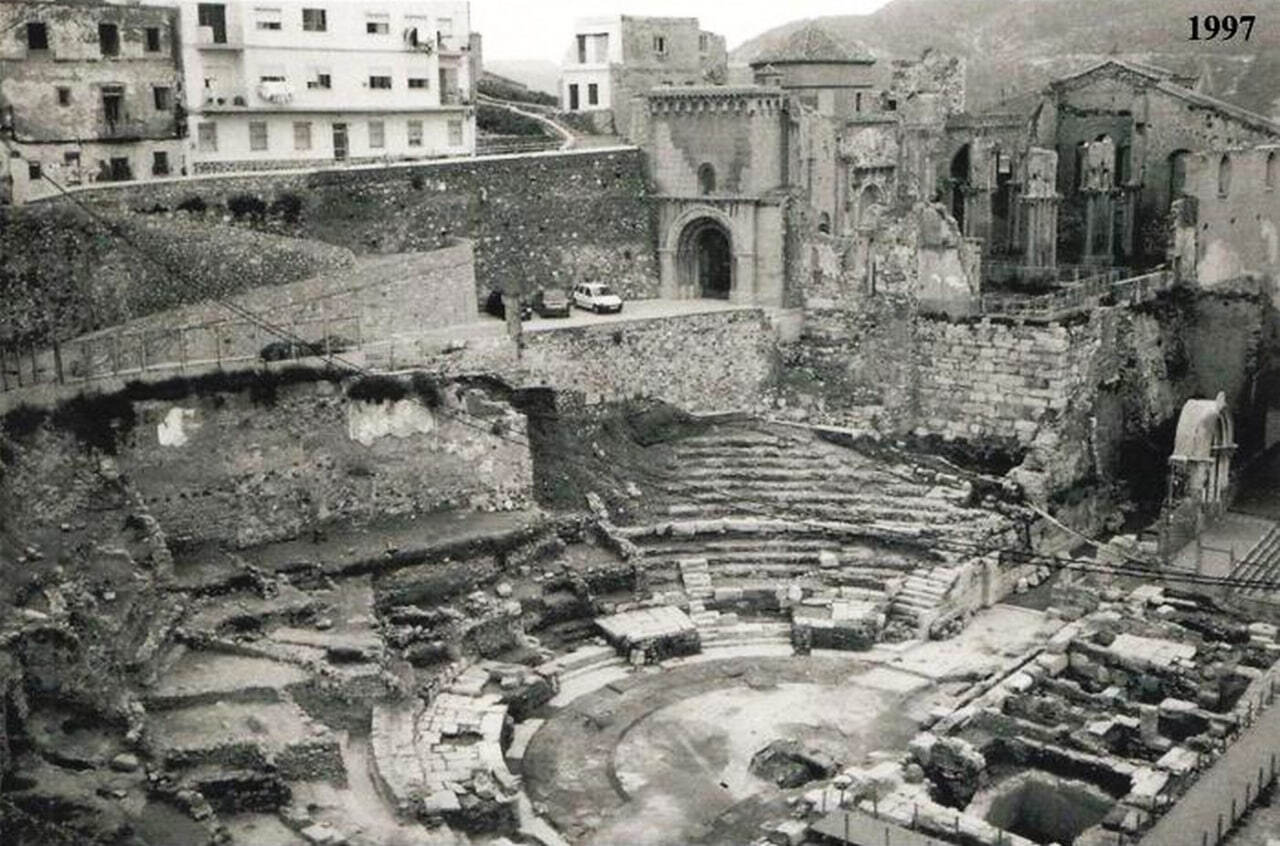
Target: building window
point(314, 20)
point(64, 95)
point(37, 36)
point(272, 77)
point(377, 135)
point(112, 101)
point(301, 135)
point(706, 178)
point(257, 135)
point(1273, 170)
point(415, 133)
point(857, 101)
point(207, 137)
point(377, 27)
point(34, 171)
point(660, 45)
point(455, 133)
point(593, 94)
point(163, 98)
point(269, 20)
point(320, 81)
point(418, 82)
point(119, 170)
point(380, 81)
point(1224, 176)
point(704, 43)
point(71, 167)
point(159, 163)
point(573, 98)
point(213, 16)
point(109, 39)
point(153, 39)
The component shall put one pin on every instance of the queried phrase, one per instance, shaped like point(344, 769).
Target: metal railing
point(1104, 288)
point(134, 353)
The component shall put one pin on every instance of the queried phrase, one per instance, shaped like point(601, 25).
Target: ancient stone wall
point(536, 221)
point(699, 362)
point(206, 467)
point(267, 461)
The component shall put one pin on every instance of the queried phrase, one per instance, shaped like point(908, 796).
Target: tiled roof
point(814, 43)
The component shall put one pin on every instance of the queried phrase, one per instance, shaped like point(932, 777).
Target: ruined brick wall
point(1236, 232)
point(536, 221)
point(1148, 126)
point(700, 362)
point(1091, 403)
point(206, 465)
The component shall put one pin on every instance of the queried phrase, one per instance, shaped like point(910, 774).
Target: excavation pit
point(1042, 807)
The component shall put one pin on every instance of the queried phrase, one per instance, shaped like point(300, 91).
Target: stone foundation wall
point(257, 465)
point(699, 362)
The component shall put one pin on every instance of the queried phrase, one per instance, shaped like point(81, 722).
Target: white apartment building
point(586, 80)
point(288, 83)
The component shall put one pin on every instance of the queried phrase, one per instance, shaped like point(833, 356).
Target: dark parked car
point(494, 306)
point(285, 350)
point(552, 302)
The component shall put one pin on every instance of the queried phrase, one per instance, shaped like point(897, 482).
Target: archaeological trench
point(840, 567)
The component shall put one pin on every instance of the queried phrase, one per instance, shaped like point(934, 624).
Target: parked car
point(551, 302)
point(597, 297)
point(285, 350)
point(496, 307)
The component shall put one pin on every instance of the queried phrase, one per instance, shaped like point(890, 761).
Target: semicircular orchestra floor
point(661, 756)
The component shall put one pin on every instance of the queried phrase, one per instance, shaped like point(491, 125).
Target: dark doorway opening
point(959, 184)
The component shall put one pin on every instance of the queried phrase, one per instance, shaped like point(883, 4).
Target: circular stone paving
point(662, 757)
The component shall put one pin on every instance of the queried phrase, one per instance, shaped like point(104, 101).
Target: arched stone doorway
point(705, 259)
point(1202, 450)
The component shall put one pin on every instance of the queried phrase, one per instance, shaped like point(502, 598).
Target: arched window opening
point(1273, 170)
point(824, 223)
point(706, 179)
point(1224, 176)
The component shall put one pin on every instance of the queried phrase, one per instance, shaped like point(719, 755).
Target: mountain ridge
point(1013, 47)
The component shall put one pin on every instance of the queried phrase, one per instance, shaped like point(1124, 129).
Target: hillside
point(1016, 45)
point(538, 74)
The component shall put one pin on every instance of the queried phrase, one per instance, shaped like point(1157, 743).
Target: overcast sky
point(540, 29)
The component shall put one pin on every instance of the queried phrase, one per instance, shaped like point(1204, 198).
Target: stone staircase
point(921, 595)
point(424, 755)
point(1262, 566)
point(739, 470)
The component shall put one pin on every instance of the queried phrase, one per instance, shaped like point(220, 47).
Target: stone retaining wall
point(537, 220)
